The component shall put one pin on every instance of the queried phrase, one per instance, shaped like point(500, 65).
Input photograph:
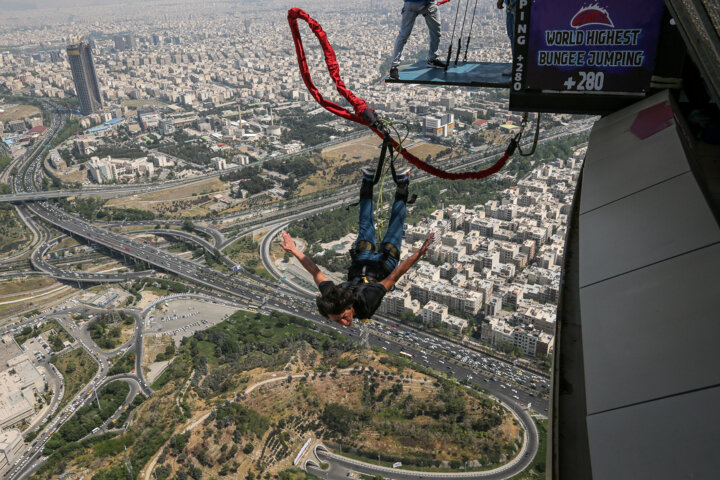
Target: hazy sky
point(32, 4)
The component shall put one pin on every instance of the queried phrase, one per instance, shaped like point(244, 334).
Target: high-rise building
point(132, 41)
point(440, 126)
point(148, 118)
point(166, 127)
point(86, 82)
point(120, 42)
point(102, 170)
point(125, 42)
point(218, 163)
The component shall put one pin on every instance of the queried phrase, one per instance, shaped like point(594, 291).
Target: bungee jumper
point(373, 272)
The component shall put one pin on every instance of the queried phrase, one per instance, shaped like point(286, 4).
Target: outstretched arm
point(288, 244)
point(405, 265)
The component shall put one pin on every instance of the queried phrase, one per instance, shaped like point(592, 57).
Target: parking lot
point(182, 317)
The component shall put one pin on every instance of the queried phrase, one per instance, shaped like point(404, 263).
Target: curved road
point(521, 461)
point(38, 261)
point(37, 235)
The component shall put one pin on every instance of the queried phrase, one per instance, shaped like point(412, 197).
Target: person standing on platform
point(410, 11)
point(509, 6)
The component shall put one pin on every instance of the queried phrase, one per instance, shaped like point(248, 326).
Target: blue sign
point(569, 47)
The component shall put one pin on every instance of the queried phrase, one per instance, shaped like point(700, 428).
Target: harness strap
point(387, 143)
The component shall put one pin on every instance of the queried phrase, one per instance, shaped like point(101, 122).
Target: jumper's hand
point(500, 4)
point(426, 244)
point(287, 243)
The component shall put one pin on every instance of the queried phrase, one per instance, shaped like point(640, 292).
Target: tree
point(188, 225)
point(56, 342)
point(407, 316)
point(338, 417)
point(162, 472)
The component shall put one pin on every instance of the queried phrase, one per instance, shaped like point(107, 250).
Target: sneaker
point(368, 174)
point(394, 73)
point(403, 174)
point(436, 63)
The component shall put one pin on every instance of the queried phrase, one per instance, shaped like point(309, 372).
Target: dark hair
point(335, 301)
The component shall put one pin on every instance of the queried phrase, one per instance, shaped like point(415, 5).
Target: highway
point(38, 261)
point(181, 234)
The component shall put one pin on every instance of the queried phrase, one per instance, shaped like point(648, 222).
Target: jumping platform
point(466, 74)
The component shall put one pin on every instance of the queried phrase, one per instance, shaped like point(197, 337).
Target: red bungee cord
point(363, 114)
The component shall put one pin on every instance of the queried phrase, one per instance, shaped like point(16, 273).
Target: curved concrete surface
point(37, 259)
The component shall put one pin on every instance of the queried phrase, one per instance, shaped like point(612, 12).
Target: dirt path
point(188, 426)
point(269, 380)
point(25, 299)
point(28, 292)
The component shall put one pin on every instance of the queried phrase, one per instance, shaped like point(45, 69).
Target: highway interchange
point(514, 386)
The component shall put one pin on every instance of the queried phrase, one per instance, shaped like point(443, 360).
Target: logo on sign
point(591, 15)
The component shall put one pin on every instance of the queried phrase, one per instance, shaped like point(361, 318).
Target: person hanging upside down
point(410, 11)
point(372, 273)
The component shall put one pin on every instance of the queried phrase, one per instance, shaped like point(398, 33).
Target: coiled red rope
point(359, 106)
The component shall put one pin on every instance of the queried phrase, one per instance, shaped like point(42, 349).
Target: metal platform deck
point(466, 74)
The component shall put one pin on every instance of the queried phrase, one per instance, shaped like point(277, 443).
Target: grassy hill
point(239, 400)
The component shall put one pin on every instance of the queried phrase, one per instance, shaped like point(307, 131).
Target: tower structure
point(85, 78)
